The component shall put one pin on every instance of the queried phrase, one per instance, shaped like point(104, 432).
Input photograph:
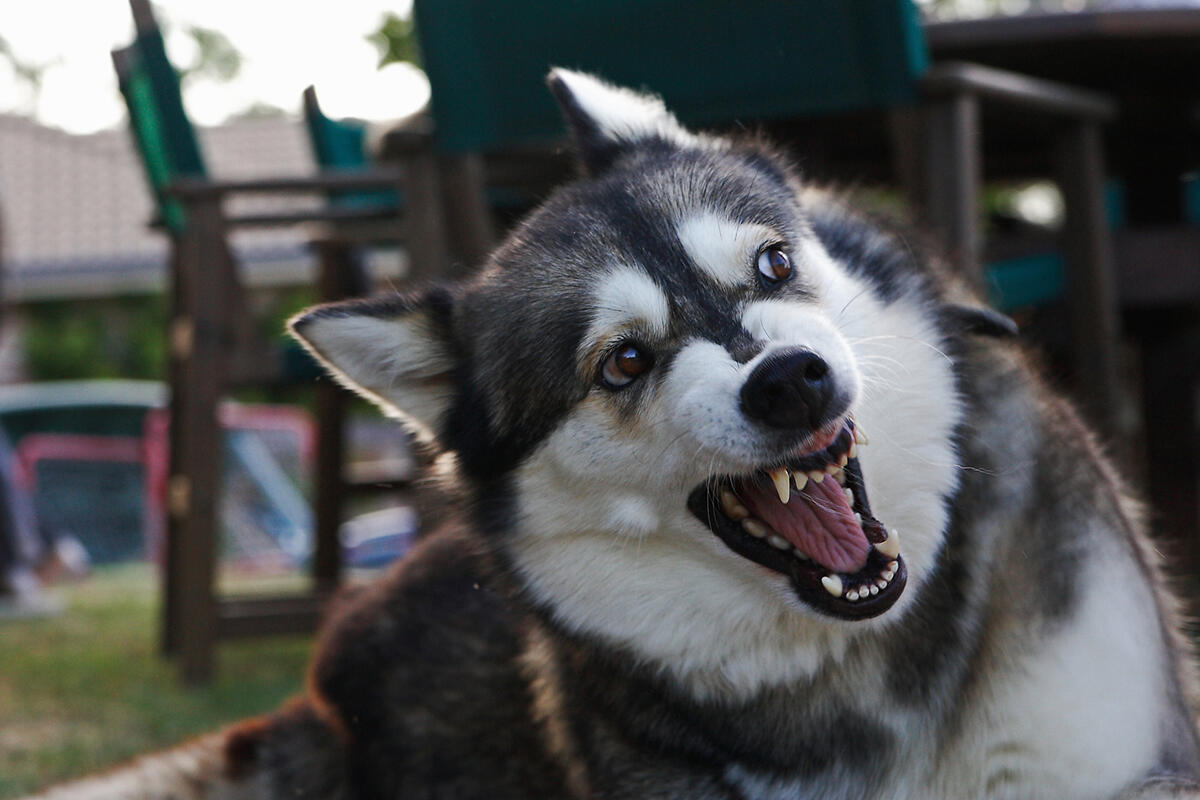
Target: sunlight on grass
point(87, 689)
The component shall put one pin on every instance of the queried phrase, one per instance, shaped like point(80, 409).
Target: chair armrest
point(200, 188)
point(1010, 88)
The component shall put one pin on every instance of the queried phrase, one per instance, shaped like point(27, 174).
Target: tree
point(396, 41)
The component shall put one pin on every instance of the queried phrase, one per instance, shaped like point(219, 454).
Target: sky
point(285, 46)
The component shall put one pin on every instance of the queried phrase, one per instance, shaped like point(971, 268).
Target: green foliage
point(216, 57)
point(74, 339)
point(396, 40)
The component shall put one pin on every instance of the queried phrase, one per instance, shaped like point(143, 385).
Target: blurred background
point(181, 492)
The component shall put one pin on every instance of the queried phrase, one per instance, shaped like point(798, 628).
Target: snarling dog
point(758, 502)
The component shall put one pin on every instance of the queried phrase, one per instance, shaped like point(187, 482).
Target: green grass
point(86, 689)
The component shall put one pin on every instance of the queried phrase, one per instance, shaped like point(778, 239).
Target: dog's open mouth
point(810, 519)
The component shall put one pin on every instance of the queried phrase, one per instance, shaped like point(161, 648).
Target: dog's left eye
point(624, 365)
point(774, 266)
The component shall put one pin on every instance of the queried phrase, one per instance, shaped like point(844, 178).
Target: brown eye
point(774, 266)
point(625, 364)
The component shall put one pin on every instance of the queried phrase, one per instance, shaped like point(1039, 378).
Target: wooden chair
point(212, 347)
point(717, 62)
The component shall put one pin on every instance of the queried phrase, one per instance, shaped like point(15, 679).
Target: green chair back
point(165, 138)
point(341, 145)
point(712, 60)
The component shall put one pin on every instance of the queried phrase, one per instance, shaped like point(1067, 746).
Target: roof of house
point(75, 210)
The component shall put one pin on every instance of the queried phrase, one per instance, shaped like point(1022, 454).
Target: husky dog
point(758, 503)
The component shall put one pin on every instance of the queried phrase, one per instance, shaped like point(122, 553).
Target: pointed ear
point(396, 351)
point(604, 120)
point(980, 321)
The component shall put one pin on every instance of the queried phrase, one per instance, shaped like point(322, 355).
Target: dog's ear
point(604, 120)
point(980, 321)
point(396, 351)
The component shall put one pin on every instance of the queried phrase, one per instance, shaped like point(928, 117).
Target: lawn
point(86, 689)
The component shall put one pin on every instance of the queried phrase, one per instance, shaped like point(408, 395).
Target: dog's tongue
point(818, 521)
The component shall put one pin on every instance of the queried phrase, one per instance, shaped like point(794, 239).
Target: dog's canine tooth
point(816, 475)
point(800, 480)
point(779, 543)
point(755, 528)
point(832, 584)
point(783, 483)
point(890, 546)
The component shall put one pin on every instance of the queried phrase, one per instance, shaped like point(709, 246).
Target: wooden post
point(467, 213)
point(952, 170)
point(336, 280)
point(425, 230)
point(1091, 279)
point(200, 339)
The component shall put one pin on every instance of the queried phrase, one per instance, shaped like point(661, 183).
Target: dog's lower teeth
point(873, 589)
point(732, 506)
point(888, 575)
point(849, 496)
point(881, 583)
point(852, 594)
point(779, 542)
point(893, 566)
point(840, 476)
point(832, 584)
point(754, 528)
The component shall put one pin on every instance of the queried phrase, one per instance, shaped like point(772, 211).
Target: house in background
point(76, 211)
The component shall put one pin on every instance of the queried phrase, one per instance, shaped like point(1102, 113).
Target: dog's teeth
point(843, 460)
point(733, 507)
point(779, 543)
point(849, 496)
point(874, 590)
point(893, 566)
point(859, 436)
point(800, 479)
point(864, 591)
point(832, 469)
point(858, 518)
point(853, 452)
point(754, 528)
point(881, 583)
point(852, 594)
point(816, 476)
point(888, 574)
point(890, 546)
point(783, 484)
point(840, 476)
point(832, 584)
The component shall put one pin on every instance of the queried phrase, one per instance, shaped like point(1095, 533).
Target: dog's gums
point(820, 533)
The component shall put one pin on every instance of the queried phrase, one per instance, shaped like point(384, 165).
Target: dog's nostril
point(816, 369)
point(790, 390)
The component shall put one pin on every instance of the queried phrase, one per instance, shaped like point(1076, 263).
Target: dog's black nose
point(791, 390)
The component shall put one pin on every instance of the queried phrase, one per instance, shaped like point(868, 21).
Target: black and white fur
point(578, 632)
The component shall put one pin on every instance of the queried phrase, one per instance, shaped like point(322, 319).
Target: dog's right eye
point(624, 365)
